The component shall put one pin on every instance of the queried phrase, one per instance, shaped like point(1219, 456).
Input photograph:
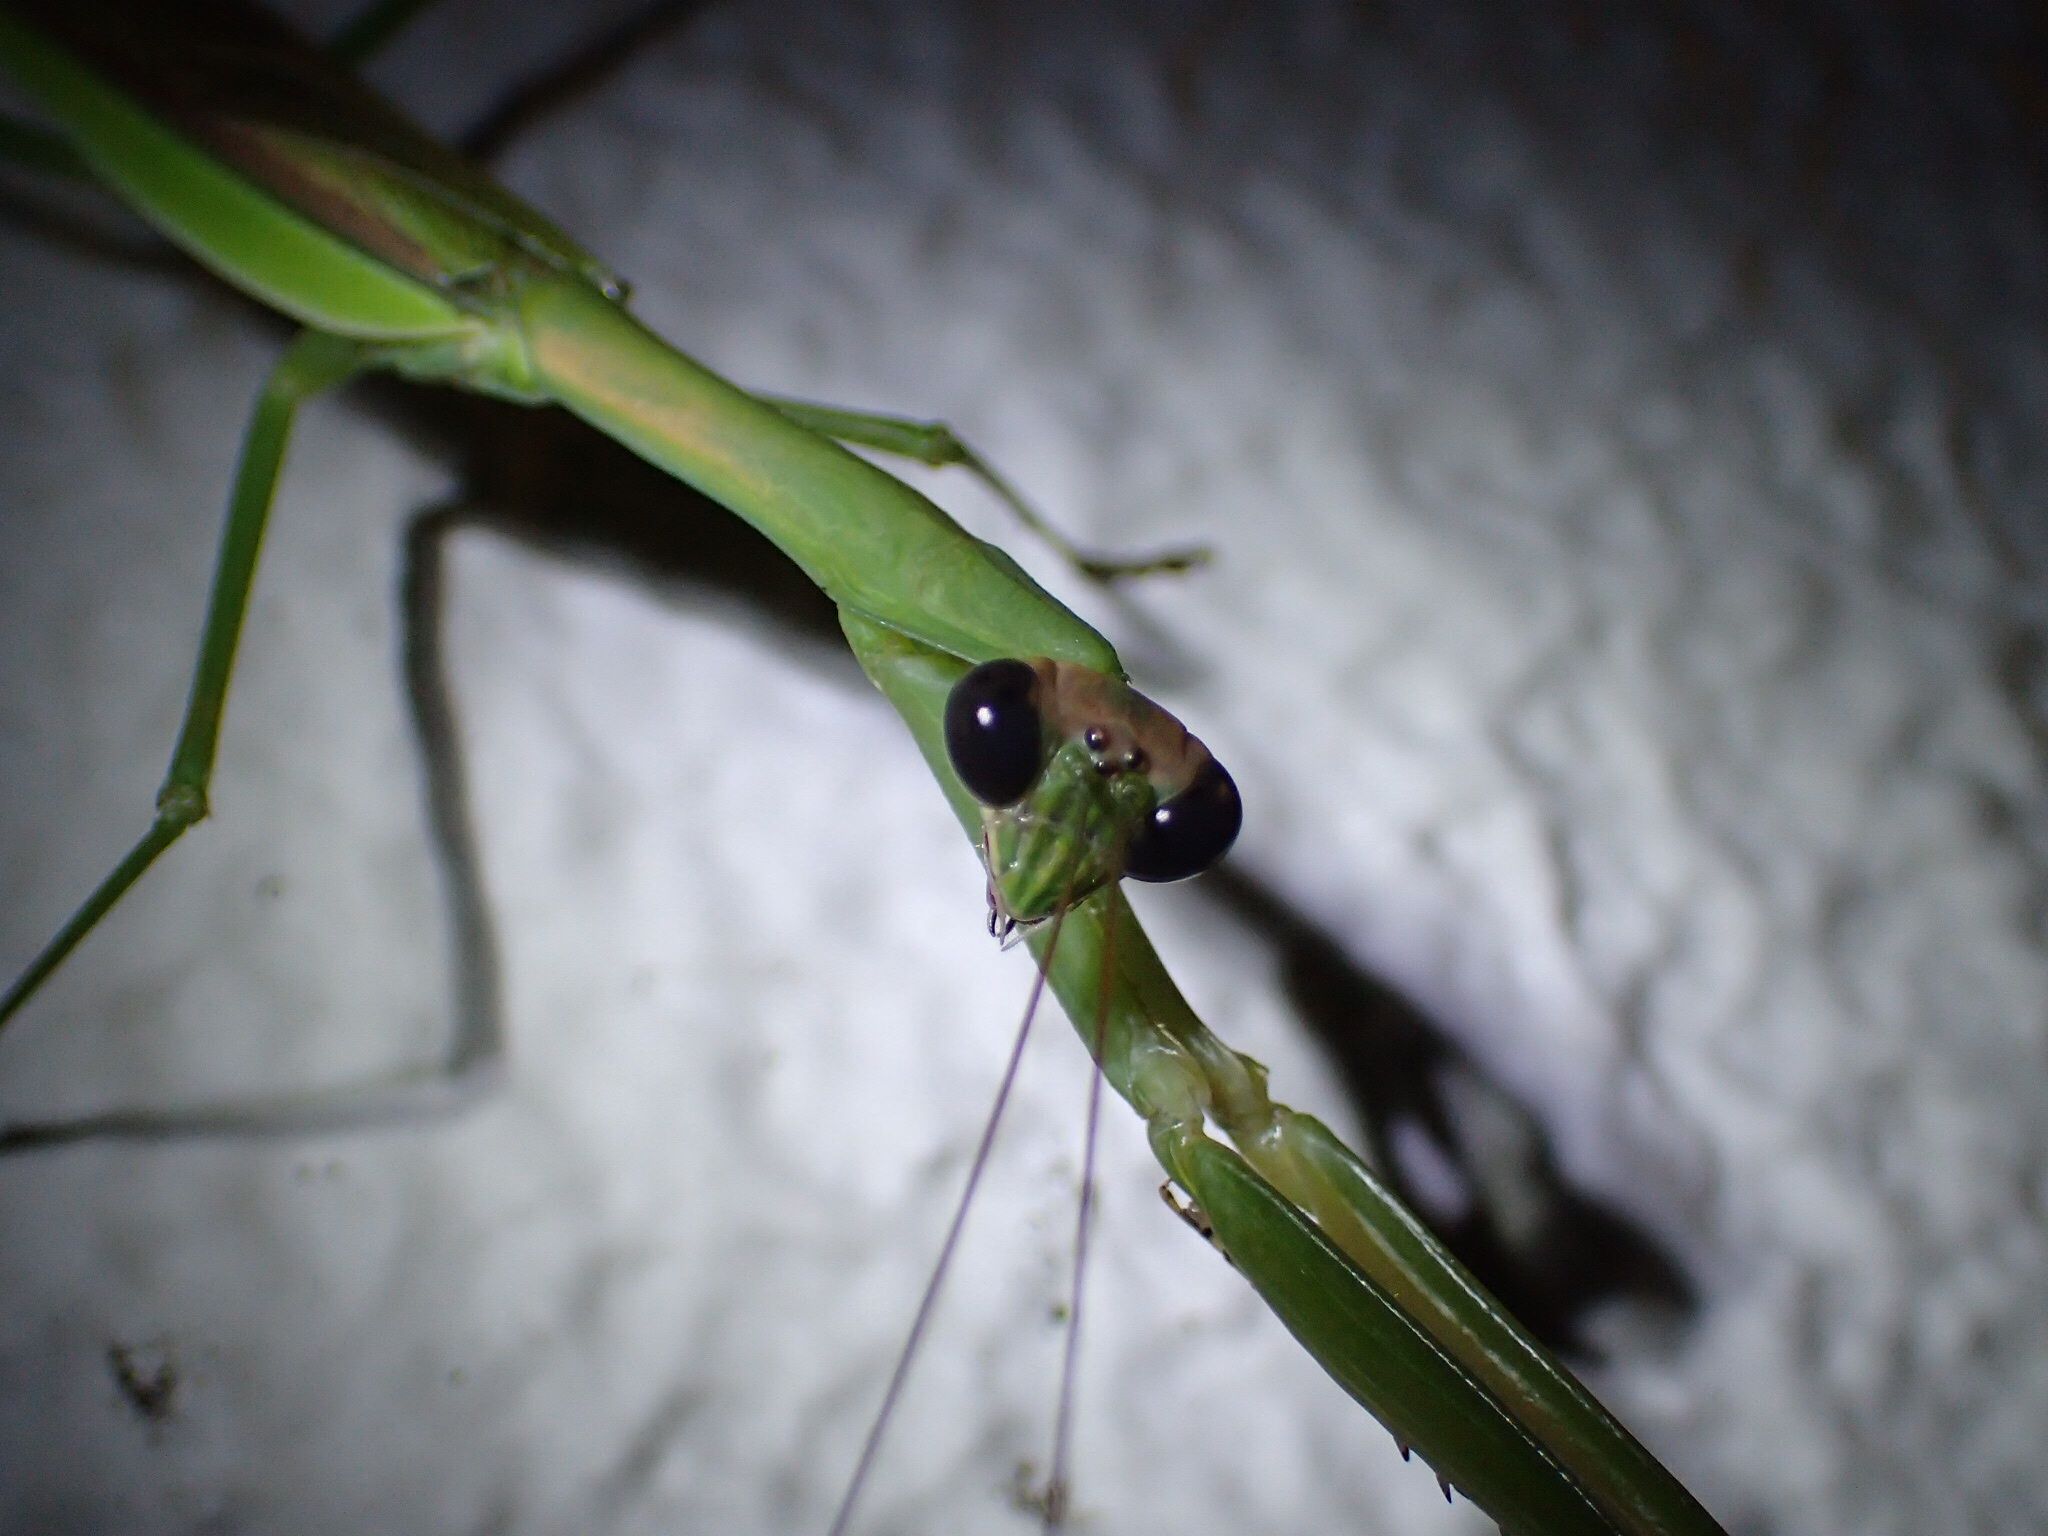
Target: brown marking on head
point(1124, 731)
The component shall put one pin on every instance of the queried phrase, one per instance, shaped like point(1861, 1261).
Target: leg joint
point(181, 805)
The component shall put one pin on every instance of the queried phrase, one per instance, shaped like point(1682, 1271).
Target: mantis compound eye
point(1187, 833)
point(994, 735)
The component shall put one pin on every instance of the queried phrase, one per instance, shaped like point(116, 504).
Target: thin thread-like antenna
point(1063, 1420)
point(844, 1518)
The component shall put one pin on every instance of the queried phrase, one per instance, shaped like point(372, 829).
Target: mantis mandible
point(398, 258)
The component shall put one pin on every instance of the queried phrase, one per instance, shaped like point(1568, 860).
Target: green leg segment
point(314, 363)
point(415, 1092)
point(933, 444)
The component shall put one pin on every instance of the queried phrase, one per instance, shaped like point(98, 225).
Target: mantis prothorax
point(253, 152)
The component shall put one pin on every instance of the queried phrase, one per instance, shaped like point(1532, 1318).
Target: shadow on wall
point(1461, 1150)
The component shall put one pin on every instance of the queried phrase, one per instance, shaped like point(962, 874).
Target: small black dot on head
point(1135, 761)
point(1095, 737)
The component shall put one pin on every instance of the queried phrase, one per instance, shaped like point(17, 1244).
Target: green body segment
point(444, 277)
point(232, 81)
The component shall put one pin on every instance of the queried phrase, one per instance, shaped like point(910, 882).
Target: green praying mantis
point(318, 200)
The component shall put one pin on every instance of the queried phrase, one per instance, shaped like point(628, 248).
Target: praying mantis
point(402, 261)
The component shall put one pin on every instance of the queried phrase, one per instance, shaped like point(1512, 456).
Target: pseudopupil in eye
point(1189, 832)
point(993, 733)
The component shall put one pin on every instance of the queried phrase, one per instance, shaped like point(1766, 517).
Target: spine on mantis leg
point(1373, 1349)
point(1298, 1156)
point(1631, 1486)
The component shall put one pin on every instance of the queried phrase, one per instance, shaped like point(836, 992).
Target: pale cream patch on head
point(1125, 731)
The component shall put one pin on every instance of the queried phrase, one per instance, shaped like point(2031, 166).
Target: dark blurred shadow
point(579, 74)
point(86, 224)
point(544, 480)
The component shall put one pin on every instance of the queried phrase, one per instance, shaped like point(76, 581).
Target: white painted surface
point(1624, 454)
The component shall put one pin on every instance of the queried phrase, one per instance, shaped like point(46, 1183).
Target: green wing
point(245, 143)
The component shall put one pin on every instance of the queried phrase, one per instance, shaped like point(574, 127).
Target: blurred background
point(1619, 429)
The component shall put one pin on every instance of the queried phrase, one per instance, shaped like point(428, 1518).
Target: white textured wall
point(1623, 440)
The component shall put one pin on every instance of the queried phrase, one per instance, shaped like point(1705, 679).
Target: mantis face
point(1082, 780)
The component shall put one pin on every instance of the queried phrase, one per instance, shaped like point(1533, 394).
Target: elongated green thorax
point(871, 542)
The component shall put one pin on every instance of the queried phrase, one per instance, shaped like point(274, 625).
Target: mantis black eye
point(1189, 832)
point(993, 733)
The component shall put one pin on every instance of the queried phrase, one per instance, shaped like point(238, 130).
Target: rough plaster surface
point(1623, 438)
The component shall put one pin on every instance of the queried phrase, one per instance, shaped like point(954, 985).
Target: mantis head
point(1082, 780)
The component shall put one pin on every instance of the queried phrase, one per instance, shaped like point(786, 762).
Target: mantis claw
point(1001, 926)
point(1191, 1213)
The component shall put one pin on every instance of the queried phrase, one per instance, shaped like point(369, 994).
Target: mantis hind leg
point(937, 446)
point(313, 364)
point(476, 1048)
